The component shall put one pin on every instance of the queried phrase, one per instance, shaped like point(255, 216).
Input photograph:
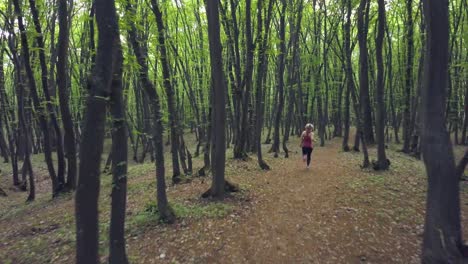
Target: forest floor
point(334, 212)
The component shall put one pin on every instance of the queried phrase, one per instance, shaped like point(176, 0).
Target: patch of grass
point(150, 215)
point(140, 169)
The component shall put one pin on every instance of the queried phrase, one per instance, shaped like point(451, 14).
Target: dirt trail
point(333, 212)
point(282, 228)
point(310, 216)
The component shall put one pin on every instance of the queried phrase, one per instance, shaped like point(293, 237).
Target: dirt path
point(302, 217)
point(333, 212)
point(283, 226)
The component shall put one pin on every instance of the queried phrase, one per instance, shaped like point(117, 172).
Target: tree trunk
point(280, 76)
point(382, 162)
point(409, 77)
point(117, 252)
point(349, 73)
point(242, 136)
point(218, 85)
point(35, 96)
point(363, 27)
point(50, 108)
point(87, 193)
point(442, 241)
point(64, 93)
point(261, 72)
point(173, 117)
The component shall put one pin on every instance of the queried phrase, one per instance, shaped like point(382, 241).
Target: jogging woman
point(307, 143)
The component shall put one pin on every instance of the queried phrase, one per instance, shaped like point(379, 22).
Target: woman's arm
point(302, 139)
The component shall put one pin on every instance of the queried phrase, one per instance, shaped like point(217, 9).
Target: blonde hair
point(309, 125)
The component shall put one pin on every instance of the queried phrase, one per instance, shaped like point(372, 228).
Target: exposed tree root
point(228, 188)
point(3, 193)
point(202, 172)
point(263, 165)
point(379, 167)
point(168, 216)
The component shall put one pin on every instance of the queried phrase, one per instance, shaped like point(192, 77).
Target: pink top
point(306, 140)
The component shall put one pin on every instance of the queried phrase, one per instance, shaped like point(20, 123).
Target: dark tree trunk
point(408, 77)
point(416, 118)
point(92, 141)
point(64, 94)
point(261, 72)
point(218, 85)
point(317, 78)
point(117, 252)
point(242, 136)
point(23, 127)
point(280, 76)
point(35, 96)
point(363, 27)
point(382, 162)
point(5, 152)
point(7, 112)
point(392, 88)
point(50, 108)
point(173, 117)
point(442, 232)
point(349, 73)
point(165, 212)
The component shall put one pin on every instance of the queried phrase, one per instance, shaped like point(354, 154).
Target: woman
point(307, 139)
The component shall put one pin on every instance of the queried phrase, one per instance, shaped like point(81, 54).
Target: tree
point(37, 103)
point(173, 117)
point(280, 76)
point(409, 77)
point(117, 252)
point(382, 162)
point(261, 76)
point(218, 86)
point(91, 147)
point(348, 72)
point(165, 212)
point(64, 94)
point(442, 241)
point(363, 27)
point(48, 101)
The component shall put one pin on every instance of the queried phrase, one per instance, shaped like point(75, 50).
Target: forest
point(170, 131)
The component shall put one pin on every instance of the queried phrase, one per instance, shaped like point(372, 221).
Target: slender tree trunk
point(382, 162)
point(173, 117)
point(261, 71)
point(408, 77)
point(243, 131)
point(165, 211)
point(87, 193)
point(117, 252)
point(349, 73)
point(280, 76)
point(3, 145)
point(363, 27)
point(64, 94)
point(218, 84)
point(50, 108)
point(35, 96)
